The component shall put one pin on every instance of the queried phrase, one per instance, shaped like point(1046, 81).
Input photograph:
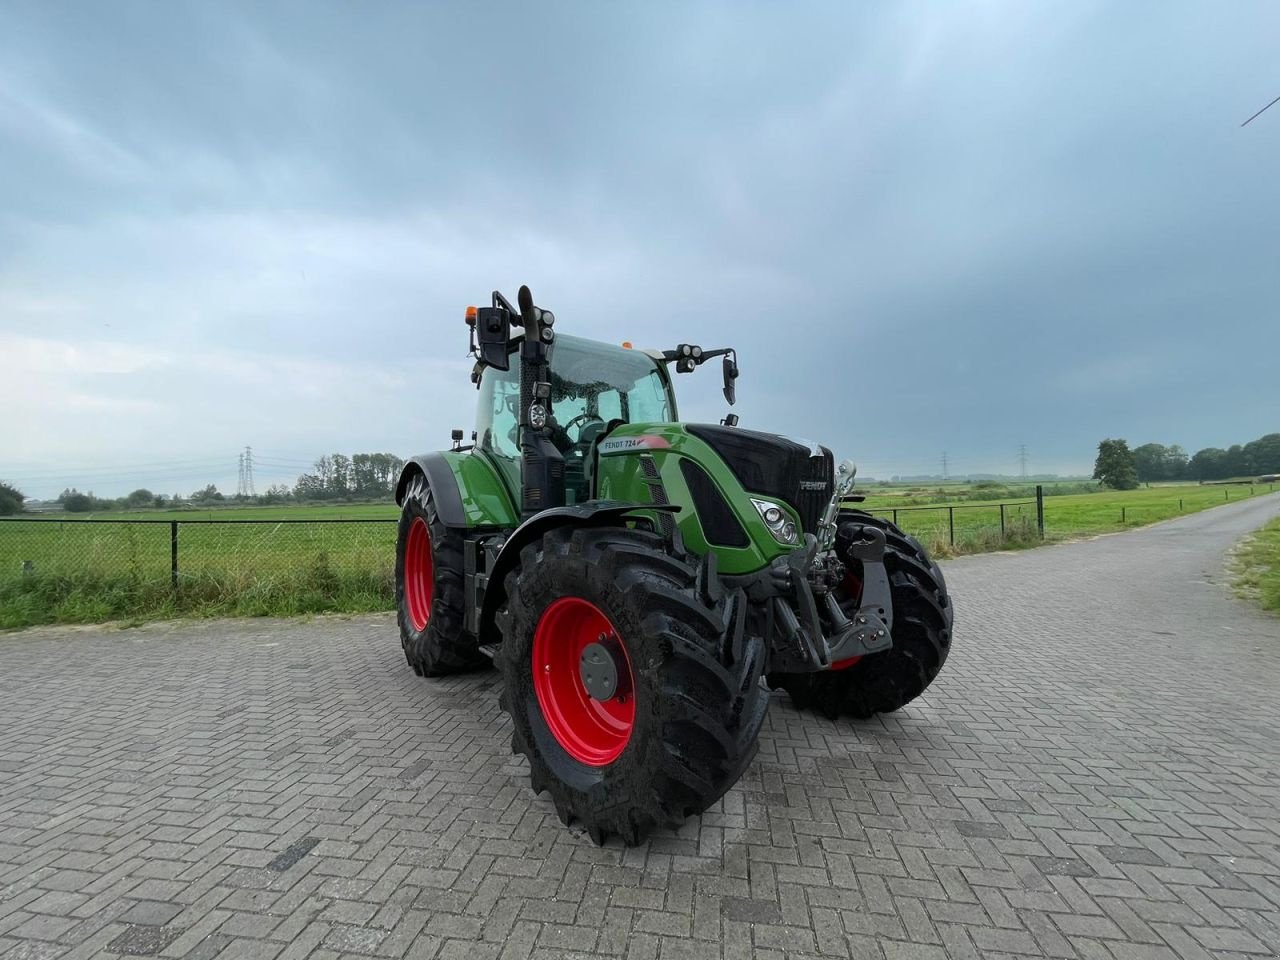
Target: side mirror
point(730, 375)
point(493, 330)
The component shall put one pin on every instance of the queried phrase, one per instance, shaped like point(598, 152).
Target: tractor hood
point(799, 474)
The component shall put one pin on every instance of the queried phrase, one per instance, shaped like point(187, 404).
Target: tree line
point(1123, 469)
point(361, 476)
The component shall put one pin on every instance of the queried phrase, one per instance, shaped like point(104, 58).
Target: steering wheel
point(585, 418)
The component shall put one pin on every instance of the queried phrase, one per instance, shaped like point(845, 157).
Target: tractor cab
point(595, 388)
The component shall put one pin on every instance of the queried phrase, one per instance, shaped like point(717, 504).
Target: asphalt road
point(1095, 774)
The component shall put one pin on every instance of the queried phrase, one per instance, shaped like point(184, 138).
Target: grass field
point(1257, 567)
point(52, 571)
point(1066, 516)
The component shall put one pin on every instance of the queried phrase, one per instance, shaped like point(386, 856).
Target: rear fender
point(467, 488)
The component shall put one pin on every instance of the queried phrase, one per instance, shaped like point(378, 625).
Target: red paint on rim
point(845, 664)
point(419, 574)
point(593, 732)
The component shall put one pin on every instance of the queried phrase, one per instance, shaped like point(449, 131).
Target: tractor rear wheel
point(922, 618)
point(631, 684)
point(429, 589)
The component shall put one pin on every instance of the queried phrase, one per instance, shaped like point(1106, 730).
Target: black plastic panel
point(719, 523)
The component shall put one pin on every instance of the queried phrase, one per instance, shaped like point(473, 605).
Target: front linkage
point(796, 602)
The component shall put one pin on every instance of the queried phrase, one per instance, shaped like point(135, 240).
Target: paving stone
point(1094, 774)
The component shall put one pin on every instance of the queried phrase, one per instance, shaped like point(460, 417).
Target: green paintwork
point(619, 477)
point(486, 497)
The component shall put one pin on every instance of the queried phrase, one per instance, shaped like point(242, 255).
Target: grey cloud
point(925, 227)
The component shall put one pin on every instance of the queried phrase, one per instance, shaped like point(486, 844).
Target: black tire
point(698, 703)
point(440, 645)
point(922, 620)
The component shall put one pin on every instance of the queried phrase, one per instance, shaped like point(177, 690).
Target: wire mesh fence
point(64, 569)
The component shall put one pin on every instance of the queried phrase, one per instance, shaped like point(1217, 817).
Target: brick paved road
point(1095, 774)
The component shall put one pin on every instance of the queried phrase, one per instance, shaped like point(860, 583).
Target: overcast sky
point(926, 228)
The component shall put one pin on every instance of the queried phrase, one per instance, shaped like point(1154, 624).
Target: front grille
point(812, 503)
point(657, 492)
point(775, 467)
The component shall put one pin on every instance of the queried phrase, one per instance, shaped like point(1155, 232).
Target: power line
point(1261, 112)
point(944, 464)
point(1022, 459)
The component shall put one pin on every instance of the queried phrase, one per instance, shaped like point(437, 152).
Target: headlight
point(783, 530)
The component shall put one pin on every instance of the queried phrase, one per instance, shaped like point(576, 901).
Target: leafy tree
point(1264, 453)
point(10, 500)
point(340, 485)
point(309, 487)
point(77, 502)
point(139, 498)
point(208, 495)
point(1207, 464)
point(1175, 463)
point(1237, 462)
point(278, 493)
point(1115, 465)
point(1149, 461)
point(1155, 461)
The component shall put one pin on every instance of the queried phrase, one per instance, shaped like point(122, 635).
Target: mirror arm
point(500, 301)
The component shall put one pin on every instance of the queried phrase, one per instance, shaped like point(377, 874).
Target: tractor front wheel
point(922, 619)
point(429, 589)
point(632, 687)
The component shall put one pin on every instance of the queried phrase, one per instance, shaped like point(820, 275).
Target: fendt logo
point(626, 444)
point(813, 484)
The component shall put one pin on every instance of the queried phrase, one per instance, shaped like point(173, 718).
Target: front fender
point(597, 513)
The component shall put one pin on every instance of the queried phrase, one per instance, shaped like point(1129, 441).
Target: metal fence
point(958, 523)
point(180, 551)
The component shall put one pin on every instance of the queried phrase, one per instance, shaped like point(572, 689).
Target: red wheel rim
point(419, 579)
point(593, 732)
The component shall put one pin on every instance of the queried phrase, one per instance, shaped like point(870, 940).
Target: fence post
point(895, 516)
point(951, 519)
point(1179, 504)
point(1040, 508)
point(1002, 521)
point(1122, 514)
point(173, 553)
point(1226, 494)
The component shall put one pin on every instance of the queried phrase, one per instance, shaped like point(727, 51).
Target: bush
point(11, 499)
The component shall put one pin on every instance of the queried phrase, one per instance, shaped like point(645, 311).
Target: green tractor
point(642, 582)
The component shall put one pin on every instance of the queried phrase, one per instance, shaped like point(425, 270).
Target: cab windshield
point(592, 385)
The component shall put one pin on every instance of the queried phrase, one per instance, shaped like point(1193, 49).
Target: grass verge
point(98, 598)
point(1256, 567)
